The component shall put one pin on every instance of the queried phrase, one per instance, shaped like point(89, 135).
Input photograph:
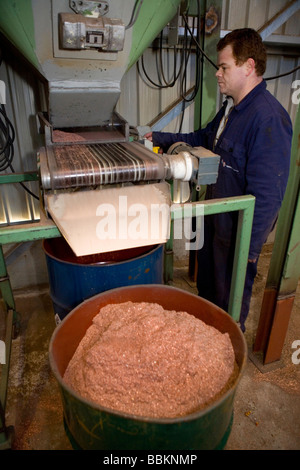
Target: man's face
point(231, 77)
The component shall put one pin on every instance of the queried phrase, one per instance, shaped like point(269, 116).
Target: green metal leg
point(15, 234)
point(168, 251)
point(243, 238)
point(245, 206)
point(6, 433)
point(10, 329)
point(169, 257)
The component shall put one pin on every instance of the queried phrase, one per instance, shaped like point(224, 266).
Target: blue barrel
point(73, 279)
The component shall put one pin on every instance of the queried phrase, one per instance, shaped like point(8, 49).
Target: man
point(252, 134)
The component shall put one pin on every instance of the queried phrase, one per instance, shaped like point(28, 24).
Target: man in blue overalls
point(252, 134)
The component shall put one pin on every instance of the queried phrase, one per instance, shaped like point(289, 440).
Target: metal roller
point(82, 165)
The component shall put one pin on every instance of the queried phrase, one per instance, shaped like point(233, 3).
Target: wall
point(283, 46)
point(141, 101)
point(22, 105)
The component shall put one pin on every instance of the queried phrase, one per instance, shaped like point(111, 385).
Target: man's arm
point(267, 175)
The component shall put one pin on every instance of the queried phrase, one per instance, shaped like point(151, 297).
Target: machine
point(89, 161)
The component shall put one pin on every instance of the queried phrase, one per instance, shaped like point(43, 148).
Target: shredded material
point(140, 359)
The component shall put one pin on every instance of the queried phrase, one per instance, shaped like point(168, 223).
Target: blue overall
point(254, 151)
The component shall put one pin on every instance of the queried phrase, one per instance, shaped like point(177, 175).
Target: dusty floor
point(267, 404)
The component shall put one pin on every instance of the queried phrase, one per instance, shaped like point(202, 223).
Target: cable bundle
point(185, 55)
point(7, 137)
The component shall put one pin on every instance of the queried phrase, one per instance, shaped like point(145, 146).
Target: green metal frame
point(245, 206)
point(205, 101)
point(19, 177)
point(45, 228)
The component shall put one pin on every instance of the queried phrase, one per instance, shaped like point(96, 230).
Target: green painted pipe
point(286, 219)
point(17, 25)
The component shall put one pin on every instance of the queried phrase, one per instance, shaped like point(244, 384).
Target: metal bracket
point(90, 7)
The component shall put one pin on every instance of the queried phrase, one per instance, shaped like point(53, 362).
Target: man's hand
point(148, 136)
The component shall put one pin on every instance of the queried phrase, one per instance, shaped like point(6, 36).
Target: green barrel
point(92, 427)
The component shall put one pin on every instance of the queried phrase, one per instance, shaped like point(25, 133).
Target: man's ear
point(250, 66)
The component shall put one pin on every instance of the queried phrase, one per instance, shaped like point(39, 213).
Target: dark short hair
point(246, 43)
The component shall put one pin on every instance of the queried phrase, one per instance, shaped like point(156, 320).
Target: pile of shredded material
point(140, 359)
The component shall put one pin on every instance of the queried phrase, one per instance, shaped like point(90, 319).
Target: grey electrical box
point(81, 32)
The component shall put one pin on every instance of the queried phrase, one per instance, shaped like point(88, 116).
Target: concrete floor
point(267, 404)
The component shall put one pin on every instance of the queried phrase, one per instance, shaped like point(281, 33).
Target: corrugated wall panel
point(235, 14)
point(274, 7)
point(254, 14)
point(141, 101)
point(283, 85)
point(17, 205)
point(257, 13)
